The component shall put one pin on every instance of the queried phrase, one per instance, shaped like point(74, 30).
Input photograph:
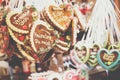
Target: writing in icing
point(60, 17)
point(22, 19)
point(42, 42)
point(45, 36)
point(108, 57)
point(57, 14)
point(63, 18)
point(43, 39)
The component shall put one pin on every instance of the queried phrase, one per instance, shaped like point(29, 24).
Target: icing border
point(11, 26)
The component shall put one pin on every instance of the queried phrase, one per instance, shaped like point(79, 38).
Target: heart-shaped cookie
point(80, 53)
point(114, 46)
point(59, 16)
point(68, 75)
point(21, 21)
point(42, 37)
point(25, 52)
point(54, 76)
point(92, 61)
point(83, 74)
point(61, 46)
point(18, 37)
point(108, 59)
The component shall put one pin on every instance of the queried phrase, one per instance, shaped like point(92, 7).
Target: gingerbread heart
point(92, 61)
point(83, 74)
point(80, 53)
point(61, 46)
point(54, 76)
point(42, 37)
point(59, 16)
point(69, 74)
point(21, 21)
point(114, 46)
point(108, 59)
point(18, 37)
point(25, 52)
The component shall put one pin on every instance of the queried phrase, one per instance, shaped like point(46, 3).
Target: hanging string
point(16, 5)
point(114, 20)
point(103, 19)
point(90, 25)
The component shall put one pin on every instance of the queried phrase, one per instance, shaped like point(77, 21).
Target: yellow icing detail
point(109, 63)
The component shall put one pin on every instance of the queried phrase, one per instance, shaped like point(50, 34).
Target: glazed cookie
point(61, 46)
point(92, 61)
point(108, 59)
point(59, 16)
point(55, 76)
point(80, 53)
point(18, 37)
point(42, 37)
point(68, 75)
point(21, 22)
point(25, 52)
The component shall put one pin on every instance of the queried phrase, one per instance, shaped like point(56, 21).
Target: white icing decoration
point(22, 19)
point(14, 38)
point(68, 74)
point(62, 28)
point(24, 53)
point(34, 36)
point(11, 25)
point(55, 75)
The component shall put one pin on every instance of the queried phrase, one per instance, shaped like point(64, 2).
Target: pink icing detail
point(41, 78)
point(76, 77)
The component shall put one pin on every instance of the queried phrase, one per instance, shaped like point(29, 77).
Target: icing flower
point(24, 27)
point(21, 38)
point(34, 14)
point(68, 37)
point(109, 63)
point(62, 39)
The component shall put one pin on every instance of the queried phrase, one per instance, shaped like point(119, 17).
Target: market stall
point(60, 39)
